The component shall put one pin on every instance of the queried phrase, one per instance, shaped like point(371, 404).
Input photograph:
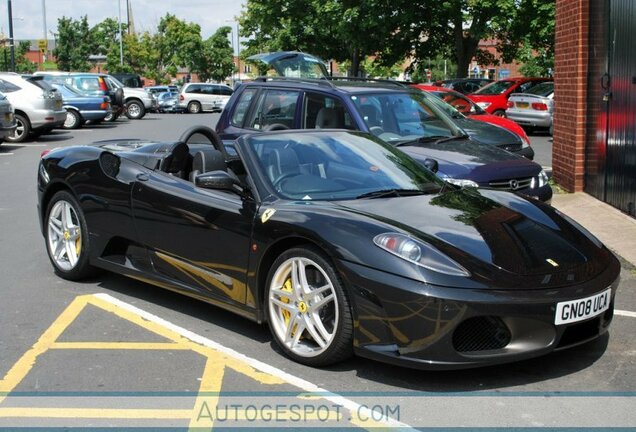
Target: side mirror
point(217, 180)
point(431, 164)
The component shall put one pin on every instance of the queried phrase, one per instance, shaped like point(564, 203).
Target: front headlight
point(461, 182)
point(419, 253)
point(540, 180)
point(484, 105)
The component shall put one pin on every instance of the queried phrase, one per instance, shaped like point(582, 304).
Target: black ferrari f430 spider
point(341, 243)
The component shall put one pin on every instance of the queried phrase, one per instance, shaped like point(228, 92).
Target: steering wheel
point(376, 130)
point(207, 132)
point(276, 183)
point(275, 127)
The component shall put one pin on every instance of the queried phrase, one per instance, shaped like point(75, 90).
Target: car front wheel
point(307, 308)
point(135, 110)
point(67, 237)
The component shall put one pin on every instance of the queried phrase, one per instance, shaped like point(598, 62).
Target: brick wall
point(570, 80)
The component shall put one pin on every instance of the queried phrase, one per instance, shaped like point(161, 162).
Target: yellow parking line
point(95, 413)
point(120, 346)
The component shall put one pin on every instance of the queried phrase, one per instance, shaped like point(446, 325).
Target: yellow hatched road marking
point(217, 360)
point(120, 346)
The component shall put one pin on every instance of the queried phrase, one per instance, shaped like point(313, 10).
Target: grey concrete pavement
point(614, 228)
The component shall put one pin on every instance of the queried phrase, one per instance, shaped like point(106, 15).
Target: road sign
point(43, 44)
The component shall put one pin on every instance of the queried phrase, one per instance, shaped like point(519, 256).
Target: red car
point(494, 97)
point(472, 110)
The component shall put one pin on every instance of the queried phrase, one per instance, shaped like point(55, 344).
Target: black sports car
point(341, 242)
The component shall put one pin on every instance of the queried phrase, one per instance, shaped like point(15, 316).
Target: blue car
point(81, 108)
point(394, 112)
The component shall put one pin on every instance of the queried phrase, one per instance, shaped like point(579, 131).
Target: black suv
point(397, 114)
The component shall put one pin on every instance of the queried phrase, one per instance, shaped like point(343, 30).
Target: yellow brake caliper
point(287, 287)
point(78, 243)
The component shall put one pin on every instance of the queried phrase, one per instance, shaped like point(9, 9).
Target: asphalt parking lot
point(118, 353)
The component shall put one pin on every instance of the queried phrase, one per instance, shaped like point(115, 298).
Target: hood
point(503, 122)
point(499, 230)
point(468, 159)
point(140, 93)
point(487, 133)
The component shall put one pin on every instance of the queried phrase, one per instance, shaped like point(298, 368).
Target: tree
point(216, 61)
point(179, 43)
point(22, 64)
point(348, 30)
point(73, 45)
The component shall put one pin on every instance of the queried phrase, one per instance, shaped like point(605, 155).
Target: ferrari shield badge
point(267, 214)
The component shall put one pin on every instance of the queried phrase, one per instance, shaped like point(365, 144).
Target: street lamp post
point(11, 35)
point(238, 49)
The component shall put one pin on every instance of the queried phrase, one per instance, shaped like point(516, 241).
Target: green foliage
point(22, 65)
point(216, 61)
point(375, 69)
point(440, 67)
point(332, 29)
point(73, 45)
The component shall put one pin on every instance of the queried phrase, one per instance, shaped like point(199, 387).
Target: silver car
point(7, 119)
point(534, 107)
point(38, 106)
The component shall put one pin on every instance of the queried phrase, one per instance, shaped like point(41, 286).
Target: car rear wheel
point(67, 237)
point(499, 113)
point(111, 117)
point(22, 129)
point(135, 110)
point(307, 308)
point(73, 119)
point(194, 107)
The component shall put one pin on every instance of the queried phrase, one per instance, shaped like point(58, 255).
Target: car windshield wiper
point(391, 193)
point(436, 139)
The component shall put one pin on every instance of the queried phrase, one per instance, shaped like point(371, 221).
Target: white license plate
point(571, 311)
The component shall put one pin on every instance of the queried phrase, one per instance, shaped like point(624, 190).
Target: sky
point(28, 22)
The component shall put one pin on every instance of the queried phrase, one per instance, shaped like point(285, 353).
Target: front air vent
point(109, 163)
point(483, 333)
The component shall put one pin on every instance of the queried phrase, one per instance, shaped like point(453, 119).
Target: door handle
point(142, 177)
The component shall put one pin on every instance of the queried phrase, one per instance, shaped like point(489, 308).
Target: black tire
point(328, 313)
point(73, 235)
point(499, 113)
point(22, 130)
point(194, 107)
point(135, 110)
point(73, 119)
point(111, 117)
point(118, 97)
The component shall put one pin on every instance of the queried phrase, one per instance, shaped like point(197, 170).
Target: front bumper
point(410, 323)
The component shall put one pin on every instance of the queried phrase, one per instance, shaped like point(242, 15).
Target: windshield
point(543, 89)
point(498, 87)
point(337, 166)
point(404, 116)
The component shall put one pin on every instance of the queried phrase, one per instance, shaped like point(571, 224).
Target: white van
point(197, 97)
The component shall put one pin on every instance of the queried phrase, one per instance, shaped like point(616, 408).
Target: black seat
point(178, 161)
point(206, 161)
point(330, 118)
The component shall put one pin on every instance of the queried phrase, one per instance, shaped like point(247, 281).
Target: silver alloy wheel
point(303, 307)
point(134, 110)
point(194, 107)
point(64, 235)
